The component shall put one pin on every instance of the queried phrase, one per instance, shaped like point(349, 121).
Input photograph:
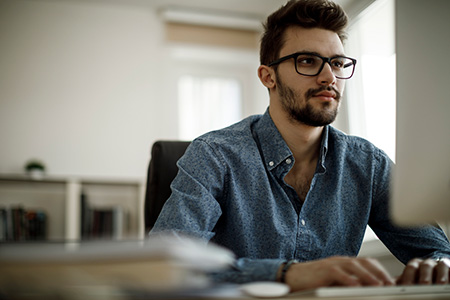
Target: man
point(289, 194)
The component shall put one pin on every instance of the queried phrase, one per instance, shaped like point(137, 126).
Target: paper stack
point(156, 265)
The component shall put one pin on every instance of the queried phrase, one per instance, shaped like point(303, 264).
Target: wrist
point(284, 269)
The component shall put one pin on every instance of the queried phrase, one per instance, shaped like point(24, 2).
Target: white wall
point(83, 87)
point(88, 86)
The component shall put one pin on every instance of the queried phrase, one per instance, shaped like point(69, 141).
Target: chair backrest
point(161, 172)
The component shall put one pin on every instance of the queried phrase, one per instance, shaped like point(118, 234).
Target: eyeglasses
point(310, 64)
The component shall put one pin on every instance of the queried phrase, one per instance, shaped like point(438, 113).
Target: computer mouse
point(265, 289)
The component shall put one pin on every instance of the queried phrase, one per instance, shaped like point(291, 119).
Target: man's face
point(311, 100)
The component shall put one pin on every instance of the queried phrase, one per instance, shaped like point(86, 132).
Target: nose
point(326, 76)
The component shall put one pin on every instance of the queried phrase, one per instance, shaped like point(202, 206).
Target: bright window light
point(371, 92)
point(207, 103)
point(379, 101)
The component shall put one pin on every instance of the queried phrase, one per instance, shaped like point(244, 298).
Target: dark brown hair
point(304, 13)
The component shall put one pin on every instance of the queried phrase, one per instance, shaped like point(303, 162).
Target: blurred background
point(87, 86)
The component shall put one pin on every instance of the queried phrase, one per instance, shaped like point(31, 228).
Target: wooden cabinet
point(60, 200)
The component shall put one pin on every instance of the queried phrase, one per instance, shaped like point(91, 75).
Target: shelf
point(60, 199)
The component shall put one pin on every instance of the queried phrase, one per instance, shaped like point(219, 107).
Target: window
point(371, 93)
point(207, 103)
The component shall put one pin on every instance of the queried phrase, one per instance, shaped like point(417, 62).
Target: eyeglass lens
point(309, 64)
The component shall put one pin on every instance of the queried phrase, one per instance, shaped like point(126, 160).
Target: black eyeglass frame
point(324, 60)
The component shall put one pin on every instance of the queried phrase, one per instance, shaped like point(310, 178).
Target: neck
point(303, 140)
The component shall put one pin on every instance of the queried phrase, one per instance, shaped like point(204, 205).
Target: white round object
point(265, 289)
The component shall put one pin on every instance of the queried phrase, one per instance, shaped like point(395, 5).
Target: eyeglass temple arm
point(348, 65)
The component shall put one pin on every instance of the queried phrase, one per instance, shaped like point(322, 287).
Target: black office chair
point(161, 172)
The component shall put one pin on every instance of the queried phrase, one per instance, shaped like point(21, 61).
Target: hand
point(428, 271)
point(344, 271)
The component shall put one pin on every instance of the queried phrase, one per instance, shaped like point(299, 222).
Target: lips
point(325, 94)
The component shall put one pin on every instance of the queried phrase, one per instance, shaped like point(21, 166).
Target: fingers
point(358, 272)
point(378, 271)
point(442, 271)
point(368, 272)
point(409, 275)
point(427, 271)
point(350, 271)
point(345, 271)
point(341, 277)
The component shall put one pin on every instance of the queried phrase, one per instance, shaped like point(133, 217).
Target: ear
point(267, 76)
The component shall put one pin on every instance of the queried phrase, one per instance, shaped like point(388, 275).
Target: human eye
point(307, 60)
point(338, 63)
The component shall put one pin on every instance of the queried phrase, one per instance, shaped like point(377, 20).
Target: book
point(101, 222)
point(156, 265)
point(36, 228)
point(3, 224)
point(20, 224)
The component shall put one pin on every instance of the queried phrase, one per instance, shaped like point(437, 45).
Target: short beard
point(307, 115)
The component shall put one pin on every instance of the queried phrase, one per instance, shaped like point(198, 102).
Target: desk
point(402, 297)
point(232, 293)
point(96, 271)
point(111, 293)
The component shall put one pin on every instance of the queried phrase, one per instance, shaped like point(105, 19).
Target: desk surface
point(400, 297)
point(231, 293)
point(52, 274)
point(109, 292)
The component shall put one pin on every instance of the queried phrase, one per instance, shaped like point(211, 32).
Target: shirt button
point(288, 161)
point(271, 164)
point(303, 222)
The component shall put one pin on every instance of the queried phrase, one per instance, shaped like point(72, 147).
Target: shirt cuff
point(248, 270)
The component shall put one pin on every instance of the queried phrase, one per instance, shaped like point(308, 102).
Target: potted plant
point(35, 169)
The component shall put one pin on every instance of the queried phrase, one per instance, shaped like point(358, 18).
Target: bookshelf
point(59, 199)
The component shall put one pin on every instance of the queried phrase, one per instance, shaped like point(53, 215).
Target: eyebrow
point(316, 53)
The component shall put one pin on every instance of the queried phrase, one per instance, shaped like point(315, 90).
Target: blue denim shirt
point(230, 190)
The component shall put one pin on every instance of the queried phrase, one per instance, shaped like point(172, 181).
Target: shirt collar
point(323, 149)
point(273, 147)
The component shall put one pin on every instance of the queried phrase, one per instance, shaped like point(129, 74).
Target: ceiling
point(252, 9)
point(239, 12)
